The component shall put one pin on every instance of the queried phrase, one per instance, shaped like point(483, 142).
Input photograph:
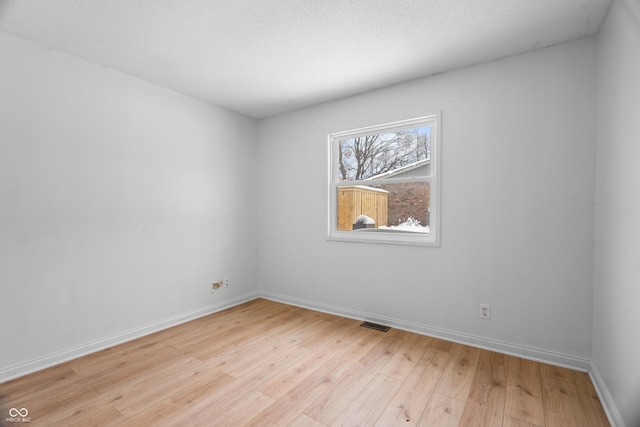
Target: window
point(384, 183)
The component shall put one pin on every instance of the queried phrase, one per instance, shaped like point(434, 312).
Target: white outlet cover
point(485, 311)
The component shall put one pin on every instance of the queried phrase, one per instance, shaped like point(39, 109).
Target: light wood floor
point(269, 364)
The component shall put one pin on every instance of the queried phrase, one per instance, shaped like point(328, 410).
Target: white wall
point(518, 143)
point(616, 331)
point(120, 203)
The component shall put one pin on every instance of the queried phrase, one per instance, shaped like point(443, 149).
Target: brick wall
point(408, 199)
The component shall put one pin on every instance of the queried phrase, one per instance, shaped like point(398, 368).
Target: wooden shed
point(357, 200)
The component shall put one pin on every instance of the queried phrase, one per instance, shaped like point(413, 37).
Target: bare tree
point(370, 155)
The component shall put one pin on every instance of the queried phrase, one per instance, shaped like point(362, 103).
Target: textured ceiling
point(265, 57)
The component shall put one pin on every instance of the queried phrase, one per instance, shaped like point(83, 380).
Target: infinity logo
point(22, 412)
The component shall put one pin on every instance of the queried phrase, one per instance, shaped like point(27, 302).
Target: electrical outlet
point(226, 282)
point(485, 311)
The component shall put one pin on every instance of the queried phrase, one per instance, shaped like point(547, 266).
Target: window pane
point(400, 153)
point(401, 207)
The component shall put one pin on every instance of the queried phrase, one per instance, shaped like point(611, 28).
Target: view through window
point(383, 183)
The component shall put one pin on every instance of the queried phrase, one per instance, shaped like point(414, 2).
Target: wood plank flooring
point(268, 364)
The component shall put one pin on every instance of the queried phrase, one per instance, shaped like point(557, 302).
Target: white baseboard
point(25, 368)
point(610, 408)
point(531, 353)
point(539, 355)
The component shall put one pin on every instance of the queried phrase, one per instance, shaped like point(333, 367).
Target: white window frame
point(388, 236)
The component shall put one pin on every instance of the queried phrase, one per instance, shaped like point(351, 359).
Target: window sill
point(385, 236)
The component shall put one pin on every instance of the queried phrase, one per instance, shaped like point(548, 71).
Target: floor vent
point(375, 326)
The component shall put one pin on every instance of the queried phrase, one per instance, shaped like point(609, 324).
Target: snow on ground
point(411, 224)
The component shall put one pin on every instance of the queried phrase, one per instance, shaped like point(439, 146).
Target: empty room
point(319, 213)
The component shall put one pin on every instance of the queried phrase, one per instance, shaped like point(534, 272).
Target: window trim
point(388, 236)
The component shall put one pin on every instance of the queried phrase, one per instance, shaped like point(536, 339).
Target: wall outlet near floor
point(226, 282)
point(485, 311)
point(216, 285)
